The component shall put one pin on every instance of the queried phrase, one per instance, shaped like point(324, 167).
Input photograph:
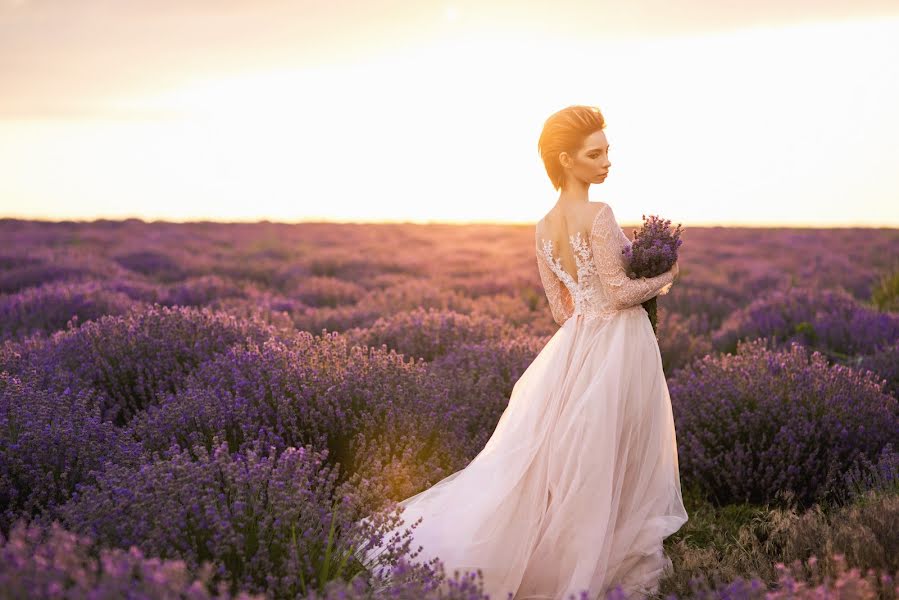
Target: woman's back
point(559, 225)
point(594, 283)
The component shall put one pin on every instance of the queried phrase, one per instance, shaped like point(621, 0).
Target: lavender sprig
point(652, 252)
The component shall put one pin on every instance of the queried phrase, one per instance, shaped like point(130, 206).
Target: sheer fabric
point(602, 287)
point(578, 484)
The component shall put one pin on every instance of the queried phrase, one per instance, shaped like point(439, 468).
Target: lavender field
point(206, 410)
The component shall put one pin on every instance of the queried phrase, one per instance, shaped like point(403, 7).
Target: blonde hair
point(565, 131)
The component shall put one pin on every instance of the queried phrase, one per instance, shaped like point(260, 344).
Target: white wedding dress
point(579, 483)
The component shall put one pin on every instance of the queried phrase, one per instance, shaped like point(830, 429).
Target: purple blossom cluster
point(269, 517)
point(31, 265)
point(378, 415)
point(328, 291)
point(762, 422)
point(50, 562)
point(708, 303)
point(49, 443)
point(885, 363)
point(831, 321)
point(803, 580)
point(429, 333)
point(204, 290)
point(271, 522)
point(679, 343)
point(480, 376)
point(47, 308)
point(653, 250)
point(129, 359)
point(156, 264)
point(881, 475)
point(404, 295)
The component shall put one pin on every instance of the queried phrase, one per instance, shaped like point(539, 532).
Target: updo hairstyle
point(565, 131)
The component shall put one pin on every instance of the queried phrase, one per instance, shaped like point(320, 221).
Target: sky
point(778, 113)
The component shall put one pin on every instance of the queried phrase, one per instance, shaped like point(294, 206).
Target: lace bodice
point(602, 287)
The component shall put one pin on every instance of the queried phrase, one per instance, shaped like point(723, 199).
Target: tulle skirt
point(578, 484)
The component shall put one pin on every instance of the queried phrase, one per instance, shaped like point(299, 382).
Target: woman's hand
point(675, 270)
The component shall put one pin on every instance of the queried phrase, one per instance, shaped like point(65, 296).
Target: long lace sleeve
point(561, 307)
point(606, 241)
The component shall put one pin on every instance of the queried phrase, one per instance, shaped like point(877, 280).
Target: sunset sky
point(781, 112)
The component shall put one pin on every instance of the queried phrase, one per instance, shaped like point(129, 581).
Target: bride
point(578, 484)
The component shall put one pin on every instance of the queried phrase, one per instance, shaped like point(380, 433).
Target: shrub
point(680, 339)
point(885, 364)
point(802, 580)
point(881, 475)
point(831, 321)
point(50, 264)
point(404, 582)
point(766, 421)
point(49, 443)
point(47, 308)
point(429, 333)
point(379, 416)
point(129, 359)
point(152, 263)
point(200, 291)
point(269, 523)
point(480, 377)
point(50, 562)
point(327, 291)
point(712, 302)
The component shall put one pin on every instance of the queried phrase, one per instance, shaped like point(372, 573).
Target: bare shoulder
point(595, 207)
point(538, 228)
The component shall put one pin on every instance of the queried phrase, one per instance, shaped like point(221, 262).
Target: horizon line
point(704, 224)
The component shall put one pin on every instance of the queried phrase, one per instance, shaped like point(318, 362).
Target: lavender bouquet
point(652, 252)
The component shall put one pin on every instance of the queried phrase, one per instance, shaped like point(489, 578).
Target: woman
point(578, 484)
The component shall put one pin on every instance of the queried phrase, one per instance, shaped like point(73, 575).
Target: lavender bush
point(831, 321)
point(378, 415)
point(48, 307)
point(707, 303)
point(49, 562)
point(802, 580)
point(430, 333)
point(130, 359)
point(327, 291)
point(31, 265)
point(49, 443)
point(405, 583)
point(392, 293)
point(885, 363)
point(480, 377)
point(764, 421)
point(679, 342)
point(269, 522)
point(158, 265)
point(880, 475)
point(201, 291)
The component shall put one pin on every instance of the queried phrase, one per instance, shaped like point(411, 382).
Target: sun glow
point(760, 126)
